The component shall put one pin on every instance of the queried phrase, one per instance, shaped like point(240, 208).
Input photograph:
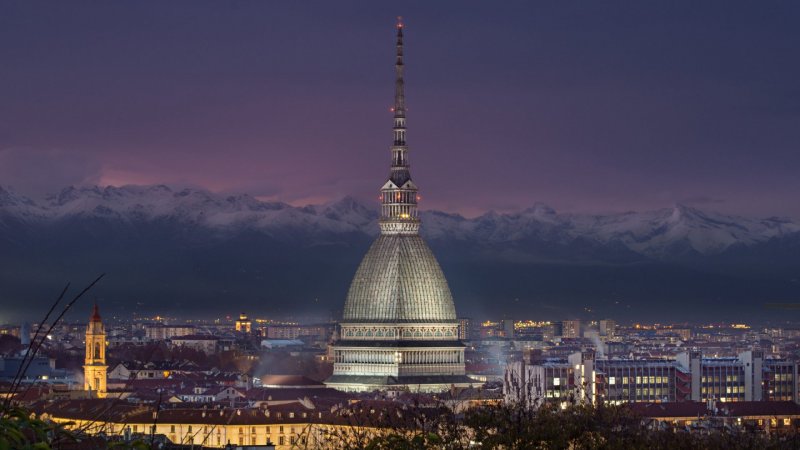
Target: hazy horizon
point(698, 203)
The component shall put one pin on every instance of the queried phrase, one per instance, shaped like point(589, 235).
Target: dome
point(399, 280)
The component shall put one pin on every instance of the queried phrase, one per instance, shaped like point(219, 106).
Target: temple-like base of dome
point(367, 383)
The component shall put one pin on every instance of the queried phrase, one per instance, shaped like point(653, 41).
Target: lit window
point(556, 381)
point(612, 380)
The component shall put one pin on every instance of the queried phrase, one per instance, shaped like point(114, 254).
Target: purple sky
point(586, 106)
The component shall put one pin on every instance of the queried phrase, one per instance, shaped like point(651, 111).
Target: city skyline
point(607, 257)
point(552, 104)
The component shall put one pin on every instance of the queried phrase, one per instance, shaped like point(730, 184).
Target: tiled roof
point(283, 394)
point(759, 408)
point(195, 337)
point(670, 409)
point(289, 380)
point(729, 409)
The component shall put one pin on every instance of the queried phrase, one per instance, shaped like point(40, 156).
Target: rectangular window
point(612, 380)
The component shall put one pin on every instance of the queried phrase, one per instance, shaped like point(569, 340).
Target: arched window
point(96, 350)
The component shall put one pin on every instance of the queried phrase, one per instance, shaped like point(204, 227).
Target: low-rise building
point(161, 332)
point(203, 342)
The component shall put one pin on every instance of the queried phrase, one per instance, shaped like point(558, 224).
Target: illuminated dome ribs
point(399, 280)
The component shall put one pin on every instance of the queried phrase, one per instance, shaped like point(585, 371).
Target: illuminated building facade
point(399, 329)
point(608, 328)
point(688, 377)
point(243, 324)
point(571, 329)
point(160, 332)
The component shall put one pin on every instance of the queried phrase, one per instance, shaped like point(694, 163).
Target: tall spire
point(399, 193)
point(399, 146)
point(399, 94)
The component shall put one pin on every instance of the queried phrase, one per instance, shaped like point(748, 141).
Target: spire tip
point(95, 313)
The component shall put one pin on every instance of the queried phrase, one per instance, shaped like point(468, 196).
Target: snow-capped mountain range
point(167, 249)
point(653, 234)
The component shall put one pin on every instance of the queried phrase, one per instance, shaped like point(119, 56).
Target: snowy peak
point(350, 210)
point(10, 199)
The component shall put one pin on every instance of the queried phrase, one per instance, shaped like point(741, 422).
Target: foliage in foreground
point(576, 427)
point(599, 427)
point(21, 430)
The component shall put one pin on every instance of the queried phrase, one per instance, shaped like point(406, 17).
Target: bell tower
point(95, 368)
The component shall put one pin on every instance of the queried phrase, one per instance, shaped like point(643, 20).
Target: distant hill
point(193, 252)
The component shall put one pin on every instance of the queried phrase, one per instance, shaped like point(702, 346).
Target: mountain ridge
point(652, 234)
